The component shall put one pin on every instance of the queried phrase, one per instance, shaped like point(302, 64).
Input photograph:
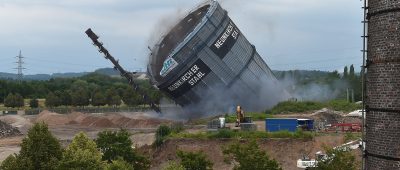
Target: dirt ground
point(143, 127)
point(285, 151)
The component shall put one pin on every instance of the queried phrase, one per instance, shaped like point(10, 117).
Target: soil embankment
point(285, 151)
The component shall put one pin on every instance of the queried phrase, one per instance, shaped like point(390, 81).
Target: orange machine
point(239, 115)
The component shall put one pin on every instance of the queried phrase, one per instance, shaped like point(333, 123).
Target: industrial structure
point(205, 57)
point(19, 67)
point(382, 97)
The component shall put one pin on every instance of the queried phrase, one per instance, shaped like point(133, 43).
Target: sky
point(288, 34)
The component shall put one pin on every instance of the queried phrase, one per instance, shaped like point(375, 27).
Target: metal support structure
point(123, 72)
point(363, 74)
point(19, 67)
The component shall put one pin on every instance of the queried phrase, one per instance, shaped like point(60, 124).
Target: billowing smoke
point(164, 25)
point(221, 99)
point(312, 90)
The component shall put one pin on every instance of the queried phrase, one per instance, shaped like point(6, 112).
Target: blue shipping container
point(273, 125)
point(289, 124)
point(306, 124)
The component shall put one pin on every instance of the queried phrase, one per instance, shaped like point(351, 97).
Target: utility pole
point(19, 68)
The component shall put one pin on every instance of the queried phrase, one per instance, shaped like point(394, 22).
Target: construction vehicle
point(239, 116)
point(305, 162)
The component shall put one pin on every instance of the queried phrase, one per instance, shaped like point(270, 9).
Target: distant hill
point(300, 74)
point(105, 71)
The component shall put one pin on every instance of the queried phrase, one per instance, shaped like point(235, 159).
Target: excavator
point(240, 118)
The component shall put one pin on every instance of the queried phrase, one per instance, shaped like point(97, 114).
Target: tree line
point(345, 84)
point(92, 89)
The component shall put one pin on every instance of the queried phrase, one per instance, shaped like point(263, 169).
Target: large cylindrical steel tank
point(383, 85)
point(206, 62)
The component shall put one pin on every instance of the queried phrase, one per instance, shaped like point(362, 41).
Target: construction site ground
point(143, 126)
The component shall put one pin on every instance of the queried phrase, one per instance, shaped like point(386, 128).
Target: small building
point(289, 124)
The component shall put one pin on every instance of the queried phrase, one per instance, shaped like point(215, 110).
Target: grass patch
point(351, 136)
point(306, 106)
point(291, 106)
point(237, 134)
point(343, 105)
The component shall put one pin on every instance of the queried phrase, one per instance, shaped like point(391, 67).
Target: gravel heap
point(7, 130)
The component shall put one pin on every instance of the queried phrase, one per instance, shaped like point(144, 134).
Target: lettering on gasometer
point(225, 40)
point(189, 79)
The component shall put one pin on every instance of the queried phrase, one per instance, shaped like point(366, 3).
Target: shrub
point(174, 166)
point(118, 145)
point(177, 127)
point(223, 133)
point(10, 163)
point(162, 132)
point(291, 106)
point(249, 157)
point(119, 164)
point(194, 160)
point(343, 105)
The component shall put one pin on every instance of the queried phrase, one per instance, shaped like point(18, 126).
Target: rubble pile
point(7, 130)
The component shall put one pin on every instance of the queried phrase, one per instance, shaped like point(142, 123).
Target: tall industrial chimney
point(383, 85)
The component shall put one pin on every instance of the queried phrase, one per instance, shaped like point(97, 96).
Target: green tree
point(155, 96)
point(34, 103)
point(352, 74)
point(79, 97)
point(99, 99)
point(113, 99)
point(19, 100)
point(131, 98)
point(118, 144)
point(10, 163)
point(52, 100)
point(345, 72)
point(162, 132)
point(9, 101)
point(194, 160)
point(119, 164)
point(337, 159)
point(14, 100)
point(82, 153)
point(174, 166)
point(65, 98)
point(249, 157)
point(39, 150)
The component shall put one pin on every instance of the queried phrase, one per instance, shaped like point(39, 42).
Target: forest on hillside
point(98, 89)
point(95, 89)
